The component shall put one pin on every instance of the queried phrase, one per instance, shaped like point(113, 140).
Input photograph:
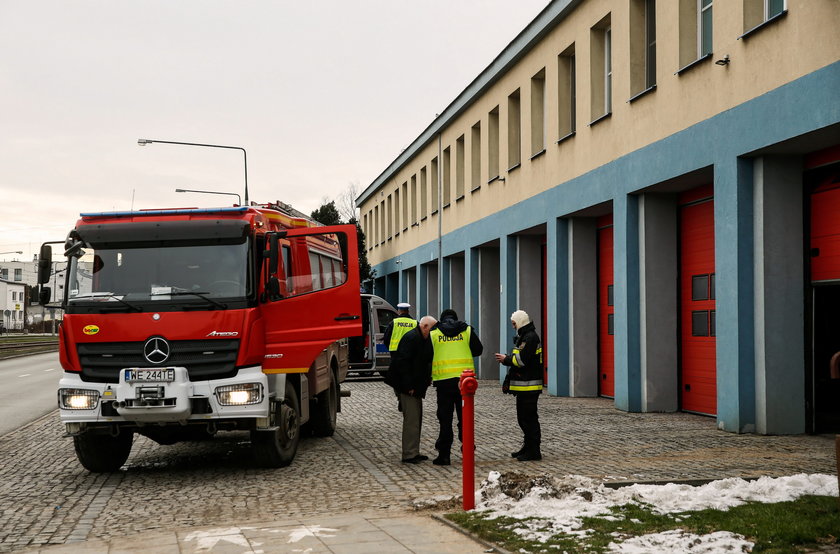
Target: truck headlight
point(77, 399)
point(239, 395)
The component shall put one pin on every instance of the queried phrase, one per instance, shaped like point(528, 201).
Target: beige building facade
point(635, 174)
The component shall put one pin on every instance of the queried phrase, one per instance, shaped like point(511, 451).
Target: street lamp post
point(238, 198)
point(13, 252)
point(144, 142)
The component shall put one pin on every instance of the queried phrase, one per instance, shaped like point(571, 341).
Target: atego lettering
point(444, 338)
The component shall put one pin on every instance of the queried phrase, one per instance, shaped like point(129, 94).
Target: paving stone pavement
point(47, 498)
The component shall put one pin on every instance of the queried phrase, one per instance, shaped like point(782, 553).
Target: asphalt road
point(28, 389)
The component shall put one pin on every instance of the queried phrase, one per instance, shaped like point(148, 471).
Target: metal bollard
point(468, 385)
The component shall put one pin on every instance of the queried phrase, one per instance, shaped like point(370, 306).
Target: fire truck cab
point(184, 322)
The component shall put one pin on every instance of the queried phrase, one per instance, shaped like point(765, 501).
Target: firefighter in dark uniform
point(455, 345)
point(401, 325)
point(525, 381)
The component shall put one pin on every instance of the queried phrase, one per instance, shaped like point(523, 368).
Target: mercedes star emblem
point(156, 350)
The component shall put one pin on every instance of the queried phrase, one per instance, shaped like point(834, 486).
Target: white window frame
point(700, 28)
point(608, 70)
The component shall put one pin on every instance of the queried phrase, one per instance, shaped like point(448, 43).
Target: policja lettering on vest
point(455, 345)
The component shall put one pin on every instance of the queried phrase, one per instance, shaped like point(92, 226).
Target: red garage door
point(698, 373)
point(825, 230)
point(606, 310)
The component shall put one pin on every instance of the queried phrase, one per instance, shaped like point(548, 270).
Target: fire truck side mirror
point(44, 296)
point(44, 263)
point(272, 253)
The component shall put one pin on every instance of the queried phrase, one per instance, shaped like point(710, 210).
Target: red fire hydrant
point(468, 385)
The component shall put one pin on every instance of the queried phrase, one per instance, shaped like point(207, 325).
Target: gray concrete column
point(658, 280)
point(779, 301)
point(456, 284)
point(529, 279)
point(583, 307)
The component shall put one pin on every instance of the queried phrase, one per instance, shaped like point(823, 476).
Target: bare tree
point(346, 202)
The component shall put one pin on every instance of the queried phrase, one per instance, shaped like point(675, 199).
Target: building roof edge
point(546, 20)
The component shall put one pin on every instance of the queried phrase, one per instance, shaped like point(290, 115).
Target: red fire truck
point(183, 322)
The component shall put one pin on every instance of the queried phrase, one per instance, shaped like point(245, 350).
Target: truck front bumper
point(166, 395)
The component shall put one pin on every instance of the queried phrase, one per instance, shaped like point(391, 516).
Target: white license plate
point(163, 375)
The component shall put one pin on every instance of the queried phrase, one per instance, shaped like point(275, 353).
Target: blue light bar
point(174, 211)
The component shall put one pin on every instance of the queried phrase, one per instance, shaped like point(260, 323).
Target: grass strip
point(806, 523)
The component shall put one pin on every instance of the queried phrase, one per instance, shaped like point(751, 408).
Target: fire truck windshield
point(204, 276)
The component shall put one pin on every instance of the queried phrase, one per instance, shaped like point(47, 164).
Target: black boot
point(530, 455)
point(442, 460)
point(518, 452)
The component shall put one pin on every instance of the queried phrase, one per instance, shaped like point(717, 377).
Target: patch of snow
point(557, 505)
point(678, 540)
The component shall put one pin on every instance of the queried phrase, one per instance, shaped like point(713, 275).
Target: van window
point(385, 318)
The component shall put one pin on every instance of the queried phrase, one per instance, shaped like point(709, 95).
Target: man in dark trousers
point(525, 381)
point(455, 345)
point(410, 374)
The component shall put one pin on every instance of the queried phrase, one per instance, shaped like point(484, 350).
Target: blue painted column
point(557, 326)
point(628, 389)
point(508, 273)
point(734, 291)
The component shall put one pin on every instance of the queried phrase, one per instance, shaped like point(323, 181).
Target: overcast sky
point(320, 94)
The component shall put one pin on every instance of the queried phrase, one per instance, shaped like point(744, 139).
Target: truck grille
point(204, 359)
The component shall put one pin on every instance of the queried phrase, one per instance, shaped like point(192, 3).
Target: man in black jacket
point(410, 374)
point(525, 381)
point(455, 345)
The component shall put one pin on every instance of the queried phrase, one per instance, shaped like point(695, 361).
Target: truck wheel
point(102, 453)
point(325, 408)
point(277, 448)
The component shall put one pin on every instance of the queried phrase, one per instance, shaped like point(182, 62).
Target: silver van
point(368, 355)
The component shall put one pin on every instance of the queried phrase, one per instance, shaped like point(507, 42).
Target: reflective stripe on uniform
point(516, 358)
point(452, 355)
point(401, 326)
point(526, 385)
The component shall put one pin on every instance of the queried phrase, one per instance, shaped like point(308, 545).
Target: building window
point(601, 69)
point(475, 157)
point(566, 91)
point(424, 194)
point(390, 217)
point(405, 205)
point(397, 211)
point(493, 144)
point(757, 12)
point(704, 28)
point(435, 186)
point(447, 176)
point(4, 274)
point(514, 130)
point(642, 46)
point(695, 31)
point(538, 112)
point(383, 229)
point(18, 275)
point(413, 199)
point(459, 168)
point(375, 237)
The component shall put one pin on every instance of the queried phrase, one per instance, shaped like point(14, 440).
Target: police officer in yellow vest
point(455, 345)
point(401, 325)
point(525, 381)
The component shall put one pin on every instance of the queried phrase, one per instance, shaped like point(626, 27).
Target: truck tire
point(103, 453)
point(277, 448)
point(325, 409)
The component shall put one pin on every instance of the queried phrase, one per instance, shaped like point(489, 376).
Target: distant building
point(12, 305)
point(26, 274)
point(658, 184)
